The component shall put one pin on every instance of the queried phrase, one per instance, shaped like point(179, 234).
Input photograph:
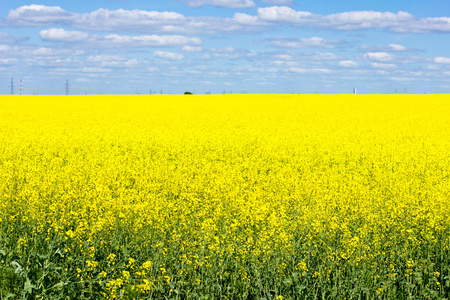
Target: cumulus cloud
point(396, 47)
point(129, 20)
point(95, 70)
point(121, 20)
point(38, 15)
point(231, 53)
point(348, 64)
point(221, 3)
point(313, 42)
point(401, 22)
point(61, 35)
point(8, 61)
point(150, 40)
point(279, 2)
point(5, 48)
point(245, 19)
point(171, 22)
point(102, 58)
point(366, 19)
point(283, 56)
point(378, 56)
point(115, 40)
point(388, 48)
point(51, 52)
point(321, 56)
point(192, 49)
point(442, 60)
point(110, 61)
point(342, 21)
point(310, 71)
point(284, 14)
point(425, 25)
point(378, 65)
point(168, 55)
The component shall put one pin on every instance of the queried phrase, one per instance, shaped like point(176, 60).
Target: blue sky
point(225, 46)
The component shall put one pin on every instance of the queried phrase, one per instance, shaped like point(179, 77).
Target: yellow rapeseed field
point(225, 197)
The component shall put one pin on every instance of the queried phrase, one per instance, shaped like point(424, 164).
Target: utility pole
point(12, 86)
point(67, 87)
point(20, 86)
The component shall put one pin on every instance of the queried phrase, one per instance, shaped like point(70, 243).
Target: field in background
point(225, 197)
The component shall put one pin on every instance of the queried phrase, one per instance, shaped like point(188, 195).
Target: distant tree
point(188, 93)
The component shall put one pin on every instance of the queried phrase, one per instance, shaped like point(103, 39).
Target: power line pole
point(12, 86)
point(67, 87)
point(20, 86)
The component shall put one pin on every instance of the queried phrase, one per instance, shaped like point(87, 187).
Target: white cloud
point(388, 48)
point(45, 51)
point(168, 55)
point(221, 3)
point(378, 65)
point(111, 61)
point(150, 40)
point(4, 48)
point(313, 42)
point(285, 63)
point(171, 22)
point(442, 60)
point(120, 64)
point(95, 70)
point(342, 21)
point(8, 61)
point(283, 56)
point(402, 79)
point(365, 19)
point(192, 49)
point(348, 64)
point(378, 56)
point(425, 25)
point(121, 20)
point(132, 20)
point(38, 15)
point(396, 47)
point(433, 67)
point(29, 55)
point(61, 35)
point(231, 53)
point(115, 40)
point(245, 19)
point(101, 58)
point(321, 56)
point(285, 14)
point(401, 22)
point(310, 71)
point(279, 2)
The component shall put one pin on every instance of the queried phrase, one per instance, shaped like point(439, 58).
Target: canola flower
point(230, 197)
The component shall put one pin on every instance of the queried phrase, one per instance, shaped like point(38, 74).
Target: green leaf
point(58, 251)
point(9, 296)
point(28, 288)
point(18, 268)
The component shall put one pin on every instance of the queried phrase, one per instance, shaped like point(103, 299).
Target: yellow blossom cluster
point(225, 196)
